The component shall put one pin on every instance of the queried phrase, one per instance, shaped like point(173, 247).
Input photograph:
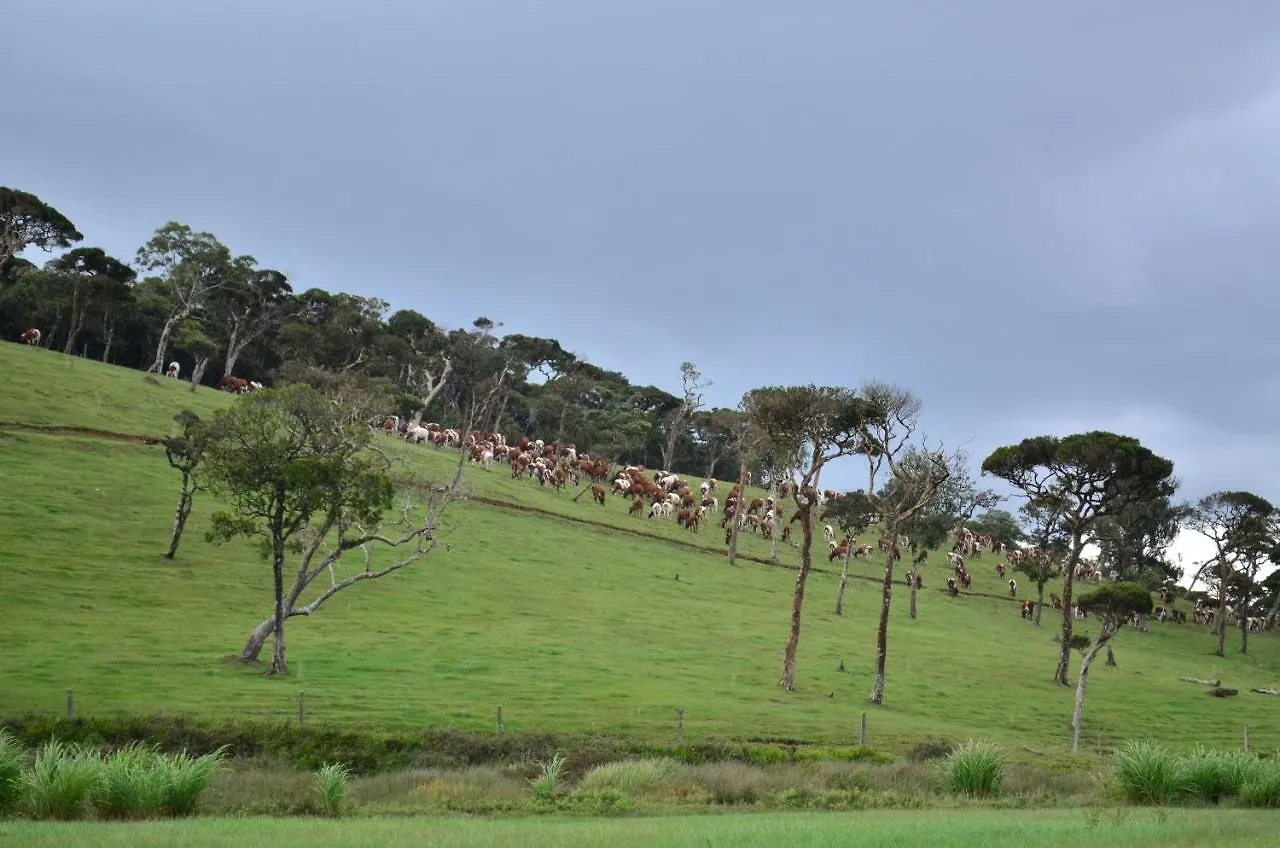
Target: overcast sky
point(1041, 216)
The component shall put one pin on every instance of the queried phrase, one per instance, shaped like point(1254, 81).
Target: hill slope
point(567, 615)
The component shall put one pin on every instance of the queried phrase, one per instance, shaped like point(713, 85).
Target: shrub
point(546, 783)
point(13, 767)
point(975, 768)
point(331, 786)
point(1148, 773)
point(188, 777)
point(930, 749)
point(134, 783)
point(62, 781)
point(632, 777)
point(1262, 789)
point(1214, 775)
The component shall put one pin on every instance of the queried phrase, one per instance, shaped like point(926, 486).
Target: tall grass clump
point(331, 786)
point(975, 768)
point(1262, 789)
point(634, 777)
point(548, 781)
point(134, 782)
point(62, 781)
point(1211, 776)
point(13, 767)
point(1147, 773)
point(187, 779)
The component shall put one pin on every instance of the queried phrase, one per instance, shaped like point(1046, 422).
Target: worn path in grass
point(1132, 828)
point(566, 614)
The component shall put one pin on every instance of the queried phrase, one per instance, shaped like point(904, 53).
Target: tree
point(191, 339)
point(713, 432)
point(1133, 542)
point(853, 514)
point(1085, 477)
point(90, 274)
point(252, 302)
point(1112, 604)
point(296, 469)
point(999, 524)
point(691, 400)
point(184, 452)
point(1242, 528)
point(192, 266)
point(1041, 561)
point(425, 365)
point(27, 221)
point(826, 423)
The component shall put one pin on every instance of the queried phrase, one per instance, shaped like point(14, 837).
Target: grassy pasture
point(567, 615)
point(957, 828)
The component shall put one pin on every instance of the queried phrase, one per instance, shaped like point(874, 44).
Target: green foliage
point(331, 787)
point(27, 221)
point(829, 420)
point(976, 769)
point(632, 777)
point(13, 766)
point(135, 783)
point(1210, 776)
point(547, 783)
point(62, 781)
point(1114, 602)
point(188, 777)
point(1147, 773)
point(1262, 788)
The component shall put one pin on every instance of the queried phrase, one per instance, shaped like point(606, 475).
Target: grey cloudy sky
point(1041, 216)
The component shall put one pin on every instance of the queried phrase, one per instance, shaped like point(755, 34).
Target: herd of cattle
point(662, 495)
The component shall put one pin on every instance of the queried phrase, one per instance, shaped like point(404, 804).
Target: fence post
point(862, 732)
point(499, 722)
point(71, 704)
point(679, 725)
point(1246, 738)
point(302, 709)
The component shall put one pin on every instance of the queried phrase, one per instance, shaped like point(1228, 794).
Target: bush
point(62, 781)
point(632, 777)
point(1213, 775)
point(134, 784)
point(13, 767)
point(975, 768)
point(930, 749)
point(1147, 773)
point(1262, 789)
point(331, 786)
point(547, 783)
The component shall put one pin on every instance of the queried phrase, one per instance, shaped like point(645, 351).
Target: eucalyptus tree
point(27, 221)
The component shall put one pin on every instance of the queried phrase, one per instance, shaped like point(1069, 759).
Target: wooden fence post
point(862, 732)
point(302, 709)
point(499, 722)
point(679, 726)
point(71, 704)
point(1246, 738)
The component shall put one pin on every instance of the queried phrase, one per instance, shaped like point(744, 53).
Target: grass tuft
point(976, 769)
point(13, 767)
point(633, 777)
point(188, 777)
point(331, 786)
point(1148, 773)
point(62, 781)
point(546, 784)
point(1262, 789)
point(133, 784)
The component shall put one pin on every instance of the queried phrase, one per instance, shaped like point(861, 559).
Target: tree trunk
point(162, 347)
point(77, 319)
point(734, 526)
point(180, 519)
point(278, 666)
point(1068, 619)
point(111, 334)
point(257, 639)
point(1078, 716)
point(913, 596)
point(788, 679)
point(1039, 601)
point(844, 579)
point(234, 348)
point(1244, 633)
point(711, 469)
point(1222, 616)
point(882, 632)
point(198, 371)
point(1111, 658)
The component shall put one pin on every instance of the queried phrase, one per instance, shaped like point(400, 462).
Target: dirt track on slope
point(89, 432)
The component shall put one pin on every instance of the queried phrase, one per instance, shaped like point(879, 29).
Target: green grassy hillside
point(566, 614)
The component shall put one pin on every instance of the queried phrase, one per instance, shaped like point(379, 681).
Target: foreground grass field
point(567, 615)
point(955, 828)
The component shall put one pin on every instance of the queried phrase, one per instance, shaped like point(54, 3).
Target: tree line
point(185, 296)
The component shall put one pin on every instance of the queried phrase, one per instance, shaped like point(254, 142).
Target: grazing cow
point(1000, 569)
point(1166, 595)
point(951, 587)
point(599, 493)
point(173, 370)
point(1013, 587)
point(235, 385)
point(637, 507)
point(32, 336)
point(1028, 609)
point(1055, 601)
point(254, 385)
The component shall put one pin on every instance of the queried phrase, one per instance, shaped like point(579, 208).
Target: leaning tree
point(297, 471)
point(1112, 604)
point(1085, 477)
point(184, 451)
point(825, 423)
